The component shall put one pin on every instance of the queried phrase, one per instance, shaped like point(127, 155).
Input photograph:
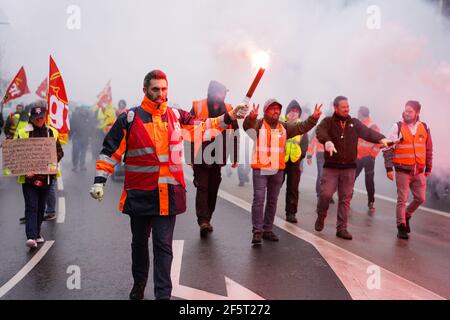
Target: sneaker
point(40, 240)
point(22, 220)
point(371, 206)
point(320, 223)
point(344, 234)
point(137, 293)
point(204, 230)
point(74, 169)
point(256, 237)
point(270, 236)
point(402, 233)
point(241, 184)
point(31, 243)
point(291, 218)
point(50, 216)
point(408, 228)
point(83, 169)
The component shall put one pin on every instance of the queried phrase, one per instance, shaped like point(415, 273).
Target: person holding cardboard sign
point(35, 186)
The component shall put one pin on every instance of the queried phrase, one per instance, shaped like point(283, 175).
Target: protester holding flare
point(268, 162)
point(150, 136)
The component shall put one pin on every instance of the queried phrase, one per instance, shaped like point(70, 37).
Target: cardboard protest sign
point(29, 156)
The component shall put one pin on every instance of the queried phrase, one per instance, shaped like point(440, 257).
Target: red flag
point(58, 109)
point(18, 86)
point(42, 89)
point(104, 98)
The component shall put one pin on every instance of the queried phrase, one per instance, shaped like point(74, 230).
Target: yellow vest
point(293, 150)
point(20, 126)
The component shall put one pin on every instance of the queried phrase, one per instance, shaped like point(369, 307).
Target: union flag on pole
point(42, 89)
point(104, 98)
point(58, 109)
point(18, 87)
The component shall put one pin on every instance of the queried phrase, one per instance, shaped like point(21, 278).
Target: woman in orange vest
point(150, 138)
point(412, 158)
point(270, 135)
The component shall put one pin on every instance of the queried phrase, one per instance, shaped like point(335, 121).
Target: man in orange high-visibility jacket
point(150, 138)
point(412, 158)
point(209, 156)
point(367, 153)
point(268, 162)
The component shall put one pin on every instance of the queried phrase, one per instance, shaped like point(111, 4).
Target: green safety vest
point(292, 149)
point(14, 122)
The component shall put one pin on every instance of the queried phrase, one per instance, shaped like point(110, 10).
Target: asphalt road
point(94, 238)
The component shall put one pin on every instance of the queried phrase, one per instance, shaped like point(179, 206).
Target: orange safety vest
point(366, 148)
point(142, 167)
point(269, 149)
point(412, 149)
point(201, 112)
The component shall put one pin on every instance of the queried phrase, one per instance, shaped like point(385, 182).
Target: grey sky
point(319, 49)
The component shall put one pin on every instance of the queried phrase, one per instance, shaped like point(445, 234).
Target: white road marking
point(350, 268)
point(61, 210)
point(26, 269)
point(392, 200)
point(234, 290)
point(60, 183)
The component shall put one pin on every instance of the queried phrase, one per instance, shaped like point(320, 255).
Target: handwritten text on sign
point(29, 156)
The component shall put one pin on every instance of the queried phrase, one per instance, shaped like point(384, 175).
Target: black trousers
point(207, 181)
point(162, 227)
point(292, 174)
point(368, 164)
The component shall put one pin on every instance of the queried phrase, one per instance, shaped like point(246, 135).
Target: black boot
point(408, 229)
point(320, 223)
point(137, 293)
point(291, 218)
point(402, 233)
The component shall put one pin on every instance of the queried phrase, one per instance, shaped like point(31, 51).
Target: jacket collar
point(339, 118)
point(153, 108)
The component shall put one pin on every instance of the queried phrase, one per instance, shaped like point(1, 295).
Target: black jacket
point(344, 133)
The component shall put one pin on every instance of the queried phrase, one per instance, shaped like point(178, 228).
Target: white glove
point(329, 147)
point(97, 191)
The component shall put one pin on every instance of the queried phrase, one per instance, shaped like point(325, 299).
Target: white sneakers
point(31, 243)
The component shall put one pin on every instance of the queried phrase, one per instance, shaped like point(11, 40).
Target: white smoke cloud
point(319, 49)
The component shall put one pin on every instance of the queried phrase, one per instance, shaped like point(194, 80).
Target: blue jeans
point(51, 198)
point(162, 227)
point(262, 219)
point(35, 199)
